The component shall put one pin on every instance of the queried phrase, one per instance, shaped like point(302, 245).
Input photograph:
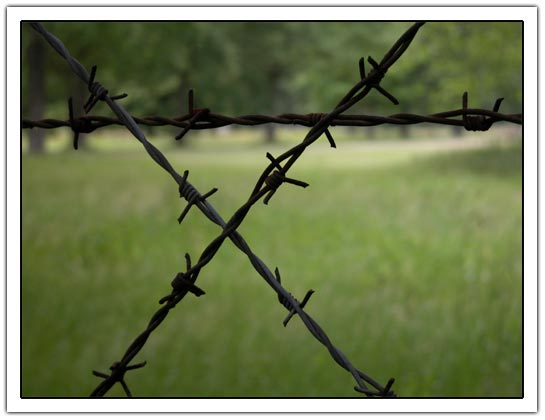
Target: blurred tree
point(89, 42)
point(269, 56)
point(173, 57)
point(36, 84)
point(333, 68)
point(444, 60)
point(449, 58)
point(332, 61)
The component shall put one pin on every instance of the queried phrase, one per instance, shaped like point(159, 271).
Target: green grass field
point(414, 251)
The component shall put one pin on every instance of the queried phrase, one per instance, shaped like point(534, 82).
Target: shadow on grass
point(498, 161)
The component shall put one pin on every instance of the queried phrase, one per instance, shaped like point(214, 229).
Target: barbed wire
point(272, 177)
point(90, 123)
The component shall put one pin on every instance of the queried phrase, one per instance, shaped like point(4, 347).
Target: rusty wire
point(273, 176)
point(210, 120)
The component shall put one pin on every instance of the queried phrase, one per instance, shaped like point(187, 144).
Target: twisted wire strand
point(212, 120)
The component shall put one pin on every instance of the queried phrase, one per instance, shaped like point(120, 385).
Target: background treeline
point(272, 67)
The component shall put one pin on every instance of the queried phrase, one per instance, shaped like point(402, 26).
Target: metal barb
point(361, 65)
point(375, 77)
point(118, 372)
point(330, 139)
point(190, 101)
point(274, 162)
point(78, 125)
point(71, 119)
point(293, 311)
point(192, 196)
point(277, 178)
point(478, 122)
point(195, 115)
point(182, 284)
point(286, 299)
point(97, 92)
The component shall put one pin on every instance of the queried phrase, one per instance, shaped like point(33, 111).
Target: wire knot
point(192, 196)
point(478, 122)
point(188, 191)
point(182, 283)
point(284, 299)
point(314, 118)
point(82, 125)
point(78, 125)
point(97, 92)
point(118, 370)
point(277, 178)
point(386, 392)
point(375, 76)
point(194, 115)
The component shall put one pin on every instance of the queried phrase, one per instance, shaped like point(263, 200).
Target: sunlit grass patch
point(416, 263)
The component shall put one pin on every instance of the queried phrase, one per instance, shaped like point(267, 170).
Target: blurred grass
point(414, 251)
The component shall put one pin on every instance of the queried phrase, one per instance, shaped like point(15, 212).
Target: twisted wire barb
point(268, 183)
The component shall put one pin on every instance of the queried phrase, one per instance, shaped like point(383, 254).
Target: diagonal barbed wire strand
point(269, 181)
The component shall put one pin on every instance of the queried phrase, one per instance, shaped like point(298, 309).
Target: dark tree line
point(270, 67)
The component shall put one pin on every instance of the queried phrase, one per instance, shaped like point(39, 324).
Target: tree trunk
point(183, 91)
point(457, 131)
point(274, 77)
point(404, 131)
point(270, 133)
point(36, 89)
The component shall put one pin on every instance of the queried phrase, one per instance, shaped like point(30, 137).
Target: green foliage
point(415, 257)
point(332, 61)
point(274, 67)
point(449, 58)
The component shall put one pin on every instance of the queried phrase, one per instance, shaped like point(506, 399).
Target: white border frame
point(15, 404)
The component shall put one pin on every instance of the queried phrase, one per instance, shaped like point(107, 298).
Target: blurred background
point(410, 235)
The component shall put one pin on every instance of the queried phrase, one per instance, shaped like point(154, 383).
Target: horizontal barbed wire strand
point(267, 184)
point(212, 120)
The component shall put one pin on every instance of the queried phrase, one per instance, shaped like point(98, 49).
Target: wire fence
point(270, 180)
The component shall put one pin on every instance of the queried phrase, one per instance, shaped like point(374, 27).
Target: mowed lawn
point(415, 254)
